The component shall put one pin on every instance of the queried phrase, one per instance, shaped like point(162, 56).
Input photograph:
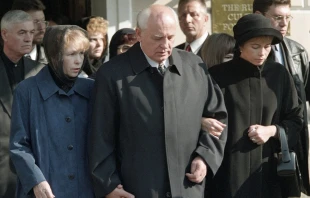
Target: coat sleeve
point(291, 112)
point(104, 127)
point(21, 153)
point(211, 149)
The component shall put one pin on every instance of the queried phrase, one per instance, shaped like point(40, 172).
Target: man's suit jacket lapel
point(6, 95)
point(181, 46)
point(31, 67)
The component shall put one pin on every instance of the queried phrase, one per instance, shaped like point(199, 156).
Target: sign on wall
point(225, 14)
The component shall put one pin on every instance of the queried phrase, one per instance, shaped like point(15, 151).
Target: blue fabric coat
point(48, 136)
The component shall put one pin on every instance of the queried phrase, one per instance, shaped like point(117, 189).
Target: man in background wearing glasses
point(295, 58)
point(35, 9)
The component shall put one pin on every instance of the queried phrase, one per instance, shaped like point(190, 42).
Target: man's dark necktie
point(161, 69)
point(188, 48)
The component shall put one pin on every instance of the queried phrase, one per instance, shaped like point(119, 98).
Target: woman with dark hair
point(121, 41)
point(260, 98)
point(217, 48)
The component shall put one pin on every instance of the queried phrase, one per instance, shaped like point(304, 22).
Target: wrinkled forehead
point(21, 26)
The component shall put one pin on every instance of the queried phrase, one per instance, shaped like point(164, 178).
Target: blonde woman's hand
point(212, 126)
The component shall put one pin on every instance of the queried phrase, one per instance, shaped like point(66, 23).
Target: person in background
point(50, 121)
point(260, 98)
point(17, 30)
point(193, 18)
point(96, 28)
point(121, 41)
point(293, 56)
point(58, 19)
point(147, 105)
point(35, 8)
point(218, 48)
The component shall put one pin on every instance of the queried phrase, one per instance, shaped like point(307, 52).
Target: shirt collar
point(154, 63)
point(33, 53)
point(196, 44)
point(8, 62)
point(48, 87)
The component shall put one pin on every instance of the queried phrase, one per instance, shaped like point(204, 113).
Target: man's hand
point(213, 126)
point(119, 192)
point(43, 190)
point(198, 170)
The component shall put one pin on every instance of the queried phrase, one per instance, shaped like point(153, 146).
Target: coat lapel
point(31, 67)
point(6, 95)
point(287, 59)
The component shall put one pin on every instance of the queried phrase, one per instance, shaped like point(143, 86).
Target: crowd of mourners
point(141, 117)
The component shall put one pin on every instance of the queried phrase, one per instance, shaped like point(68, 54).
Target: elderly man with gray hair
point(17, 31)
point(146, 138)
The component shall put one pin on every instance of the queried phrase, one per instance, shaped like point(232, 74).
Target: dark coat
point(265, 96)
point(147, 129)
point(7, 178)
point(48, 136)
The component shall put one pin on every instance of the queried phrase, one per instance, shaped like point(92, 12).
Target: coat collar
point(48, 87)
point(140, 64)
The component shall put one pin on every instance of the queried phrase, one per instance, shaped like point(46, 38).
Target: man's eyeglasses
point(43, 23)
point(280, 18)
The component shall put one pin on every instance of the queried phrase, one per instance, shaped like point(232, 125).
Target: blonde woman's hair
point(77, 38)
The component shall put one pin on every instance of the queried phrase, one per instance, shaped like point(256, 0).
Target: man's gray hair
point(144, 15)
point(13, 17)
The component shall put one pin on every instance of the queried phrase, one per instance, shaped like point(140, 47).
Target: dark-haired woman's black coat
point(254, 95)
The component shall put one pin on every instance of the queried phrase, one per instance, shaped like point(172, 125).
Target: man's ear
point(206, 18)
point(138, 33)
point(4, 33)
point(258, 12)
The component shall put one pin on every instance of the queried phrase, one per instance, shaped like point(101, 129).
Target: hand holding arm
point(213, 126)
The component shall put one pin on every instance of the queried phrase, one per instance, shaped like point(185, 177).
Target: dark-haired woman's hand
point(259, 134)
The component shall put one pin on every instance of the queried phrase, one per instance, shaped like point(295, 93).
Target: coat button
point(71, 177)
point(257, 74)
point(168, 194)
point(68, 119)
point(70, 147)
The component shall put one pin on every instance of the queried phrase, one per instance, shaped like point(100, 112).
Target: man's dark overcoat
point(254, 95)
point(146, 129)
point(297, 62)
point(7, 178)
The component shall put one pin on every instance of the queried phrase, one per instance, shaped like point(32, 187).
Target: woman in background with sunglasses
point(121, 41)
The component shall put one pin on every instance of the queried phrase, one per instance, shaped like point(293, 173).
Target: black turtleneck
point(15, 71)
point(61, 83)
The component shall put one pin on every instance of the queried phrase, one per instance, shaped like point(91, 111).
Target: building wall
point(122, 13)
